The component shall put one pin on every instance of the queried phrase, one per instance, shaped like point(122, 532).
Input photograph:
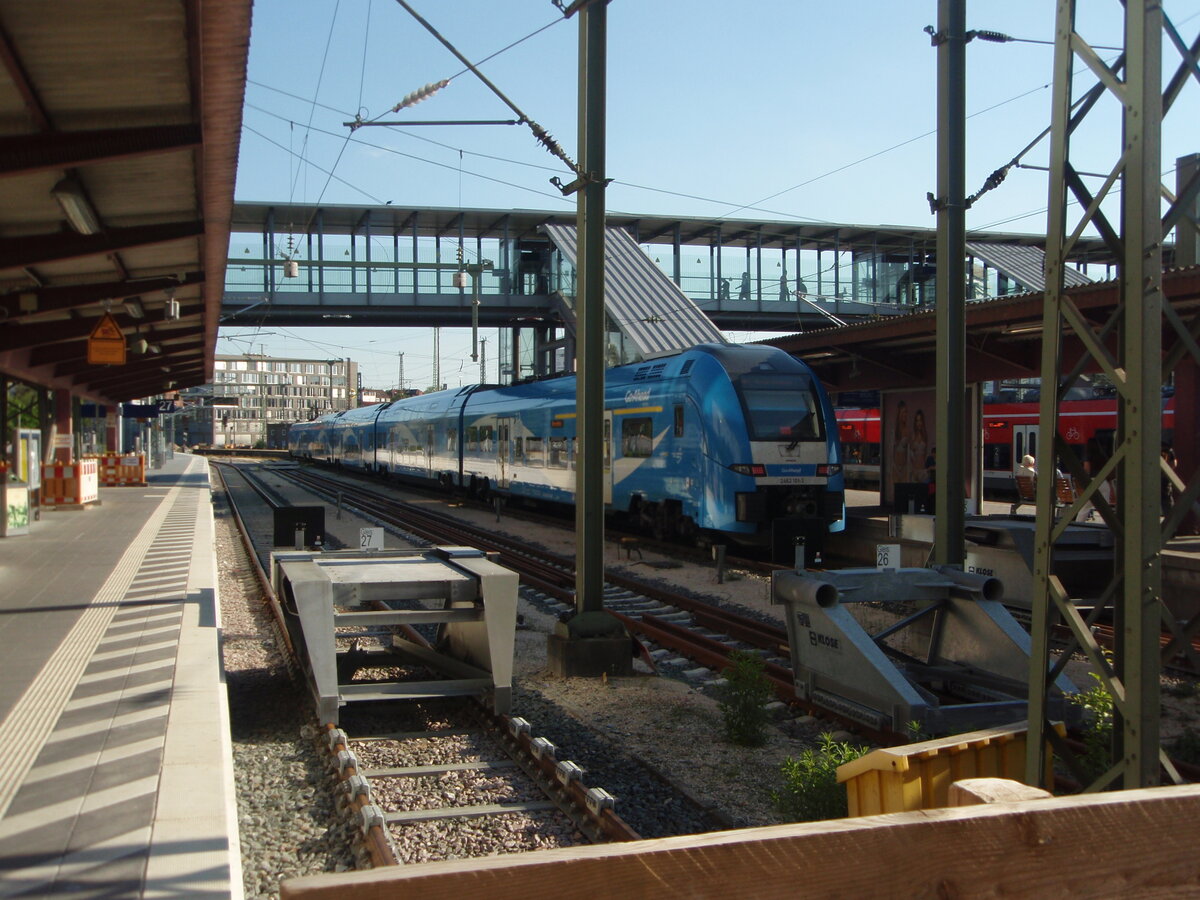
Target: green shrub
point(810, 788)
point(1097, 703)
point(743, 699)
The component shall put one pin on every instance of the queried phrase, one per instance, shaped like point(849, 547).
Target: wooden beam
point(75, 296)
point(43, 248)
point(1024, 849)
point(24, 153)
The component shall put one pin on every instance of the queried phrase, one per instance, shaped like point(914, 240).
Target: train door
point(504, 430)
point(608, 457)
point(1025, 439)
point(428, 451)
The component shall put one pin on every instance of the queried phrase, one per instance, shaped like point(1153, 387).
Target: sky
point(790, 110)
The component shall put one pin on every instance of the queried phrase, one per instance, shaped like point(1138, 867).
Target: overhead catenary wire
point(541, 134)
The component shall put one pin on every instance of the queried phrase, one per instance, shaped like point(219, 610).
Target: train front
point(784, 477)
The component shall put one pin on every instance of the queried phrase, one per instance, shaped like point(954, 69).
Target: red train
point(1010, 430)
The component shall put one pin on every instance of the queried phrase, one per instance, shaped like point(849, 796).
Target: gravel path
point(286, 818)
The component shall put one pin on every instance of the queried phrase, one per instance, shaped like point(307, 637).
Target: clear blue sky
point(779, 109)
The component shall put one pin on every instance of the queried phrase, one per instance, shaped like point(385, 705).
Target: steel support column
point(1134, 595)
point(589, 398)
point(951, 253)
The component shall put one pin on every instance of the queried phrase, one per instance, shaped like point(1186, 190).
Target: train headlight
point(755, 469)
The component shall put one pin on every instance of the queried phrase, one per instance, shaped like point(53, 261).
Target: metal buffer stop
point(952, 659)
point(354, 610)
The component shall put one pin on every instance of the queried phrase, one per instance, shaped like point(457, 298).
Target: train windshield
point(781, 408)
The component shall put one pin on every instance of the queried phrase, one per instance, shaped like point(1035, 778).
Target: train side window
point(534, 451)
point(679, 421)
point(472, 438)
point(574, 451)
point(558, 452)
point(1002, 458)
point(637, 437)
point(518, 449)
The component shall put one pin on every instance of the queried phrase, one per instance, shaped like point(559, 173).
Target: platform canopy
point(119, 132)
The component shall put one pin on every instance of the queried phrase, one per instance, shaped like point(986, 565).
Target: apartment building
point(253, 398)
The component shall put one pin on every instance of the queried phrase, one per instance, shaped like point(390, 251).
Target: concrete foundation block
point(589, 657)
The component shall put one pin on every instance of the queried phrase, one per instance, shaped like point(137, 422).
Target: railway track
point(680, 624)
point(457, 763)
point(691, 628)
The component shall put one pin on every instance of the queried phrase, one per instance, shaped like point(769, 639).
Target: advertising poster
point(909, 456)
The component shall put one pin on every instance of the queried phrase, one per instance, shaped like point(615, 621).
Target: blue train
point(720, 443)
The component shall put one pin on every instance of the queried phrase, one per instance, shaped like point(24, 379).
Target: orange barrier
point(70, 484)
point(117, 470)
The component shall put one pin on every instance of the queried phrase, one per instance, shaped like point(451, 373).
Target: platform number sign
point(887, 556)
point(370, 539)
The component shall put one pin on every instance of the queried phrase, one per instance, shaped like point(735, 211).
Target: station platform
point(118, 778)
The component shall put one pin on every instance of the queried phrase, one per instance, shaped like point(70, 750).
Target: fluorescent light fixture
point(134, 307)
point(1027, 328)
point(75, 206)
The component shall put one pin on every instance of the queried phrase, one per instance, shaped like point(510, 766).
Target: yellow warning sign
point(106, 345)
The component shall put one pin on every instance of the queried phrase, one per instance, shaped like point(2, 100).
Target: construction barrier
point(118, 470)
point(918, 776)
point(70, 484)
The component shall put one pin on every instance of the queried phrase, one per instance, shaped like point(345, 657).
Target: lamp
point(1029, 328)
point(134, 307)
point(75, 206)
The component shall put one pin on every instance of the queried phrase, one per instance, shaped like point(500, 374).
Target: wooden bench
point(1064, 492)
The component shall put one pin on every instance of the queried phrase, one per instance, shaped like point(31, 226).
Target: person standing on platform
point(1168, 488)
point(900, 441)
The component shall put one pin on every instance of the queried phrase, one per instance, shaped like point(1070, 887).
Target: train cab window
point(678, 421)
point(535, 453)
point(781, 408)
point(637, 436)
point(558, 453)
